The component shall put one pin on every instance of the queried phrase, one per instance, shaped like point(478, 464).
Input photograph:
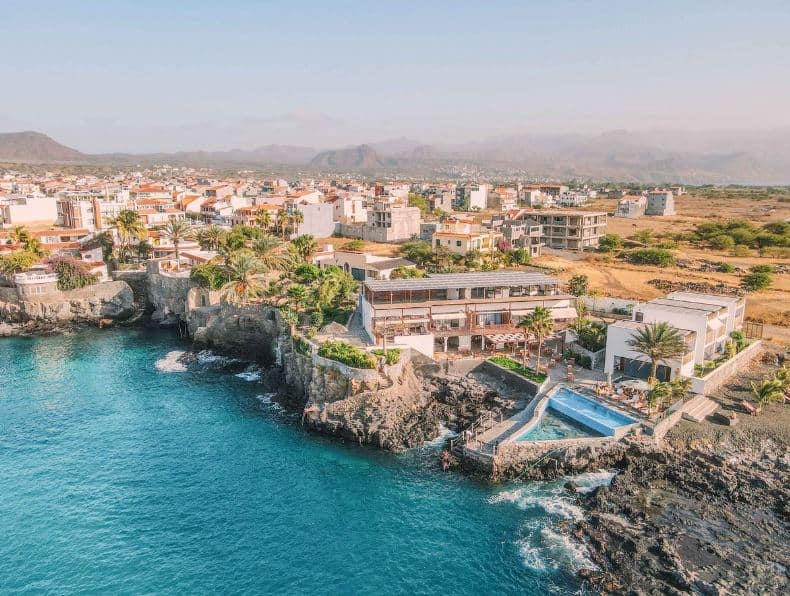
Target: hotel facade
point(458, 311)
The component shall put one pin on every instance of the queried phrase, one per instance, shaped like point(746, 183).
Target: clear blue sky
point(140, 75)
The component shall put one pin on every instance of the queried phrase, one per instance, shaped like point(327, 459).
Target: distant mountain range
point(737, 157)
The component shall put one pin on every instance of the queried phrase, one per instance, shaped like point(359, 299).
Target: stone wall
point(167, 294)
point(511, 378)
point(110, 300)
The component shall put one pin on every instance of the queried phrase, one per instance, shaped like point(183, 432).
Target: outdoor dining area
point(630, 394)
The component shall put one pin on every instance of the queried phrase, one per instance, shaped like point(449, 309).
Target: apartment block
point(571, 230)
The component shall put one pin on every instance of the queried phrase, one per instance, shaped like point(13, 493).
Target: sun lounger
point(750, 408)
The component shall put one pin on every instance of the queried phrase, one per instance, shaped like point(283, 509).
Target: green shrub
point(301, 346)
point(757, 280)
point(650, 256)
point(610, 243)
point(722, 242)
point(741, 251)
point(726, 268)
point(72, 274)
point(623, 310)
point(391, 357)
point(347, 354)
point(518, 368)
point(580, 359)
point(209, 275)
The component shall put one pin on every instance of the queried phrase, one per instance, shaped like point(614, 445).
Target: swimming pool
point(553, 426)
point(599, 419)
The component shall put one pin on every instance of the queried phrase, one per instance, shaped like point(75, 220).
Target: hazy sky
point(140, 75)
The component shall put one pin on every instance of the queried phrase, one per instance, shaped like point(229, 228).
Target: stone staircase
point(699, 408)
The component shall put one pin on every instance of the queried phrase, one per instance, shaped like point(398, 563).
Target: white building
point(631, 206)
point(705, 320)
point(572, 198)
point(360, 265)
point(471, 196)
point(26, 210)
point(458, 311)
point(660, 202)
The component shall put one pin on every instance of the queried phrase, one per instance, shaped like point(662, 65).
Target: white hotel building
point(458, 311)
point(705, 321)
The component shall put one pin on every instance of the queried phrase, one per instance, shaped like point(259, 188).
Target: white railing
point(35, 278)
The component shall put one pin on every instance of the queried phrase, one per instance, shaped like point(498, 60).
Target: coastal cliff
point(110, 300)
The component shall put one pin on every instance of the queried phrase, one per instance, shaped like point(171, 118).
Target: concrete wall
point(719, 376)
point(521, 383)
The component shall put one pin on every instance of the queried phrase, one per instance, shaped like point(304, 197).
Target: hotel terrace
point(459, 312)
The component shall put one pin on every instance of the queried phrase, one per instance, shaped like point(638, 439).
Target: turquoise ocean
point(124, 472)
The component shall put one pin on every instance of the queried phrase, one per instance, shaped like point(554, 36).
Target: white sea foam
point(171, 362)
point(266, 399)
point(209, 357)
point(251, 373)
point(444, 434)
point(541, 546)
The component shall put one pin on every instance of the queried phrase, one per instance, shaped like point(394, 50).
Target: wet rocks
point(707, 520)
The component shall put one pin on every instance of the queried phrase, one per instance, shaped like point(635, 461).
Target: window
point(458, 243)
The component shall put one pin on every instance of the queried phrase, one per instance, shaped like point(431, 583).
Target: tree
point(297, 294)
point(72, 274)
point(281, 222)
point(267, 249)
point(264, 220)
point(128, 226)
point(722, 242)
point(304, 246)
point(418, 251)
point(296, 218)
point(540, 324)
point(418, 201)
point(211, 237)
point(658, 341)
point(758, 279)
point(767, 391)
point(20, 235)
point(177, 231)
point(17, 262)
point(578, 285)
point(244, 275)
point(610, 243)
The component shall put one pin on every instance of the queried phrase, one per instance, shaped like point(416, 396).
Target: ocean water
point(123, 471)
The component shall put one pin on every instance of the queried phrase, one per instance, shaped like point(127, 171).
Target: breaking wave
point(444, 434)
point(540, 544)
point(251, 373)
point(171, 362)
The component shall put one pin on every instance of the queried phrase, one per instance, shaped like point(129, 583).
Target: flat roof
point(437, 281)
point(640, 325)
point(704, 298)
point(390, 263)
point(685, 304)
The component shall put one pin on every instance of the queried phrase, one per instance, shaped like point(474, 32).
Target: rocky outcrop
point(545, 461)
point(707, 520)
point(110, 300)
point(167, 295)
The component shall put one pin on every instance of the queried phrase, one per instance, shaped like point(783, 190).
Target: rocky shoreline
point(683, 519)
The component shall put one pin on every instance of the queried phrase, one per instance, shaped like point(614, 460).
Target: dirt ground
point(772, 424)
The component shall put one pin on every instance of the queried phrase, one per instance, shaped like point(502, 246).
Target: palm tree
point(767, 391)
point(658, 341)
point(244, 272)
point(282, 221)
point(783, 376)
point(178, 230)
point(128, 226)
point(304, 246)
point(541, 325)
point(267, 250)
point(264, 220)
point(212, 237)
point(524, 325)
point(20, 235)
point(296, 218)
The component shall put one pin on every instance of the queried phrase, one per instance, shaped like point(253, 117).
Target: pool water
point(553, 426)
point(592, 414)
